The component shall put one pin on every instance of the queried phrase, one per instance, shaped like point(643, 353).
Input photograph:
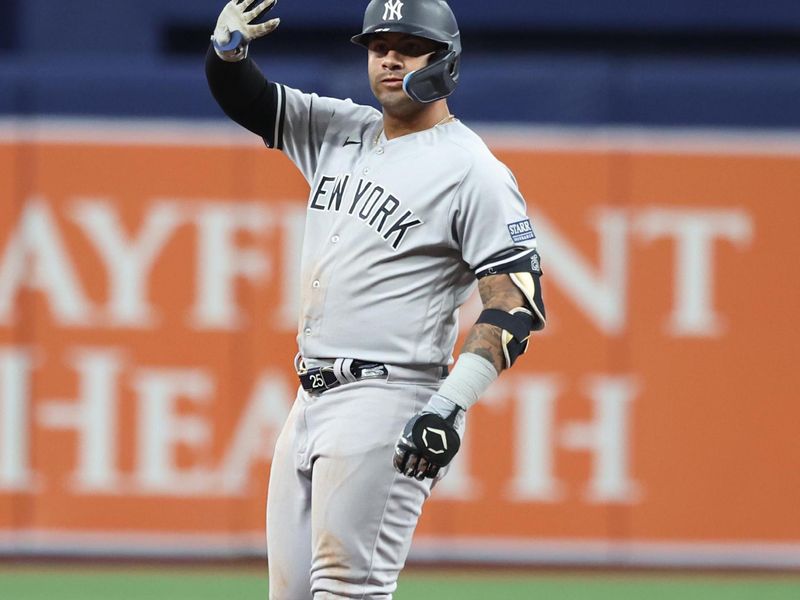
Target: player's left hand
point(429, 440)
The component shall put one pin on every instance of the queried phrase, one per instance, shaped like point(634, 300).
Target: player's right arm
point(235, 80)
point(287, 119)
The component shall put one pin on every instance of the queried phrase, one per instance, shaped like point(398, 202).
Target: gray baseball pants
point(339, 517)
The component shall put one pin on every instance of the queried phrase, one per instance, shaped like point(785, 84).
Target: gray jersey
point(396, 230)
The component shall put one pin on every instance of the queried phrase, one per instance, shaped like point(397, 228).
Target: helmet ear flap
point(455, 68)
point(435, 81)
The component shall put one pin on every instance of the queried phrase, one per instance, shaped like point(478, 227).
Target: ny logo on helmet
point(393, 10)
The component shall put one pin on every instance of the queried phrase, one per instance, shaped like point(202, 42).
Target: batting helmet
point(430, 19)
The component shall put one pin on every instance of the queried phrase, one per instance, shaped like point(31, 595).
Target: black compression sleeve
point(244, 94)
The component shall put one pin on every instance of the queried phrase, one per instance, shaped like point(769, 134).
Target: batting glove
point(235, 28)
point(430, 439)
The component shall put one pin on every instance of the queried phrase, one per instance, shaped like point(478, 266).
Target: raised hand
point(235, 28)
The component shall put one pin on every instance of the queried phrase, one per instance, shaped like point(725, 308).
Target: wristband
point(468, 380)
point(234, 50)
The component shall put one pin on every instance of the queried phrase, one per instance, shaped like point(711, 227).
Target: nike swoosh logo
point(349, 142)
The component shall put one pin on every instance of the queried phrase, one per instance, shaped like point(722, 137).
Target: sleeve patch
point(521, 231)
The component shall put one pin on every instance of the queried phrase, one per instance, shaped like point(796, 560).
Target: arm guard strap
point(516, 326)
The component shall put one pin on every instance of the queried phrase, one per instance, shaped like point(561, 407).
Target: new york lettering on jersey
point(381, 210)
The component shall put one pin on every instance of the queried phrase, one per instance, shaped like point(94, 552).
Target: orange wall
point(144, 376)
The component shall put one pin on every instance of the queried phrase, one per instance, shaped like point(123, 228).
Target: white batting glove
point(234, 30)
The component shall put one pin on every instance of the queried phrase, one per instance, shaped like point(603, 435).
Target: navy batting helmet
point(430, 19)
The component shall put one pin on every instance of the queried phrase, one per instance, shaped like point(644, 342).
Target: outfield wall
point(148, 288)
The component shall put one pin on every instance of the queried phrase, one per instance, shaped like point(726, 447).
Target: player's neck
point(398, 125)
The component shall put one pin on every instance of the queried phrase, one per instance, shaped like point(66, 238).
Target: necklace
point(444, 121)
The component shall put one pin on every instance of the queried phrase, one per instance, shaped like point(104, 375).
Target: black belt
point(342, 371)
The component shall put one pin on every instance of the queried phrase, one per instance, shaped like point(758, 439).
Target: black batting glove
point(429, 440)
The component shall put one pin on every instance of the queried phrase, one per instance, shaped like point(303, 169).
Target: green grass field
point(197, 583)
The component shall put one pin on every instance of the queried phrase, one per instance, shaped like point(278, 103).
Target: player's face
point(391, 57)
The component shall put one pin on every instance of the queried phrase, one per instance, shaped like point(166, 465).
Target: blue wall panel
point(107, 57)
point(721, 92)
point(135, 26)
point(544, 88)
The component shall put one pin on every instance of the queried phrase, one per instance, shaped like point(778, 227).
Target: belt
point(343, 370)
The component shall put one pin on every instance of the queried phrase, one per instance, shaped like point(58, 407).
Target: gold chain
point(447, 119)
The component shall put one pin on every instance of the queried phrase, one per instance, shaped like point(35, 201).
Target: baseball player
point(407, 210)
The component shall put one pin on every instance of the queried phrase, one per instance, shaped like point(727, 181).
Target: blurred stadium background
point(148, 286)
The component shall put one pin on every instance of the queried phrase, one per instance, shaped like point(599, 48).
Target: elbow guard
point(516, 326)
point(518, 323)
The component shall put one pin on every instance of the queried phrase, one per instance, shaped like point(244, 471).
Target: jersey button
point(335, 239)
point(307, 331)
point(315, 284)
point(379, 151)
point(366, 171)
